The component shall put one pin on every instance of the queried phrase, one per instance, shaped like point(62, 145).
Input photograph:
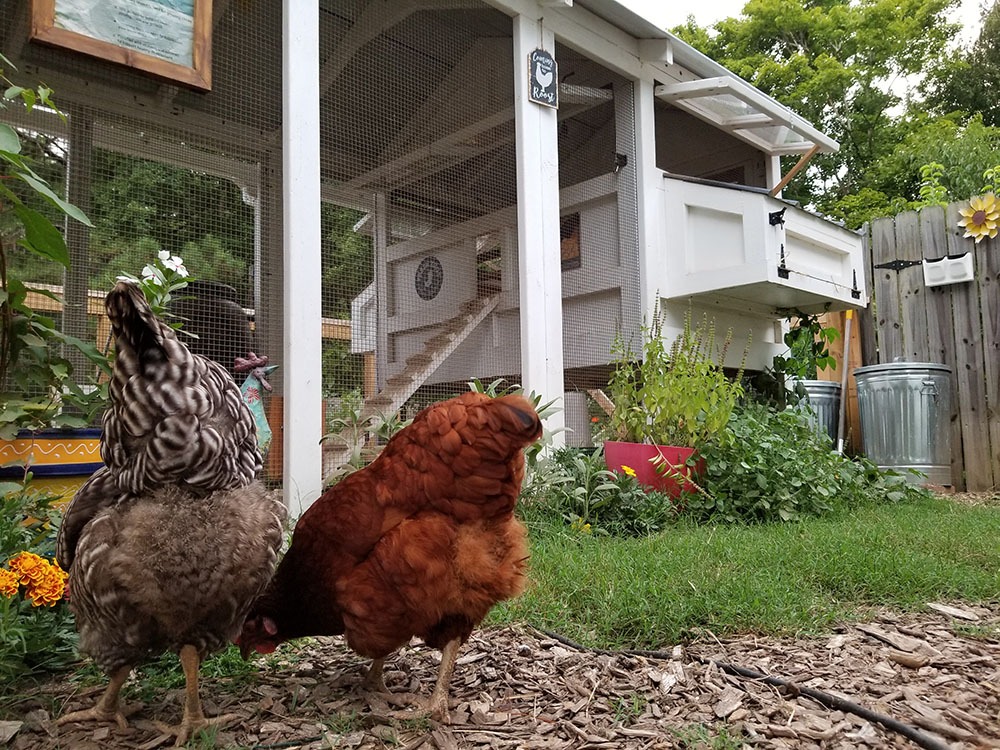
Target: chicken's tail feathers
point(132, 317)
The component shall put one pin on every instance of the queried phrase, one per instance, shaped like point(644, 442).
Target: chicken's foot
point(373, 680)
point(194, 719)
point(107, 708)
point(437, 705)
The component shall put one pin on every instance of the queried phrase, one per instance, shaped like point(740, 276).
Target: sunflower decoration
point(980, 218)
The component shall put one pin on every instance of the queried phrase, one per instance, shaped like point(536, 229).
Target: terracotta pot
point(644, 458)
point(60, 460)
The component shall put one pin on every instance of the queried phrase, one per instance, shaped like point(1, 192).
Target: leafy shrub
point(676, 395)
point(576, 486)
point(776, 467)
point(33, 637)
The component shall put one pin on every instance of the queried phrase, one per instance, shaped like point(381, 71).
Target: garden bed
point(518, 688)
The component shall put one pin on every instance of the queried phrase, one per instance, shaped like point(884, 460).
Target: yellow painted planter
point(60, 460)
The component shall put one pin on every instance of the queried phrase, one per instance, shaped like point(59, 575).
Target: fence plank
point(941, 328)
point(910, 280)
point(987, 276)
point(885, 289)
point(968, 371)
point(865, 318)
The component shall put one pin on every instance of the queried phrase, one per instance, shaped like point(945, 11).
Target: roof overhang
point(712, 92)
point(734, 106)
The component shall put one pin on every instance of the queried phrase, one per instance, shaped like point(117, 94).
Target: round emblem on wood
point(429, 277)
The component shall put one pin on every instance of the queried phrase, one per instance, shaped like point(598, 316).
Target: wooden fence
point(957, 325)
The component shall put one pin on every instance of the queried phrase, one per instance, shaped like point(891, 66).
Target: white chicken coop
point(453, 189)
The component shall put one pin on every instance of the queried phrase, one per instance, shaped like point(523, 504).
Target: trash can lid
point(901, 367)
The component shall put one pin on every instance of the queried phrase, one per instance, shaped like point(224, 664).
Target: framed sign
point(170, 39)
point(543, 79)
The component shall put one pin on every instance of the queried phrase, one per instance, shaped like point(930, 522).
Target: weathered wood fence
point(957, 325)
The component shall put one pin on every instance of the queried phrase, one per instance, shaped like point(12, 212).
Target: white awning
point(733, 105)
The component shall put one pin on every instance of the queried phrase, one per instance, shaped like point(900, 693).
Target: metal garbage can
point(823, 400)
point(905, 410)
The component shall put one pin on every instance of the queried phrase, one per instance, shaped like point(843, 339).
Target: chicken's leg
point(437, 705)
point(194, 718)
point(373, 679)
point(107, 707)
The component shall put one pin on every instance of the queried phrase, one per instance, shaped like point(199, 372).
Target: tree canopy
point(886, 79)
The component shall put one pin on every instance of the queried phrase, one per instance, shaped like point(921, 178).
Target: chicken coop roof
point(715, 94)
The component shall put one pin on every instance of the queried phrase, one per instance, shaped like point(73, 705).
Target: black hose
point(827, 699)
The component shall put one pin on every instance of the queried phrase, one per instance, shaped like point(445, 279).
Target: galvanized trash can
point(905, 410)
point(823, 401)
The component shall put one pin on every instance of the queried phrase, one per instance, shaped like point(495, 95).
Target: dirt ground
point(937, 672)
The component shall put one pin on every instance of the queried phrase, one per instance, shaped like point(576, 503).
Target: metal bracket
point(899, 264)
point(782, 268)
point(776, 217)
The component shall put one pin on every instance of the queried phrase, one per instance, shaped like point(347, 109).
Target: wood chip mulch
point(937, 671)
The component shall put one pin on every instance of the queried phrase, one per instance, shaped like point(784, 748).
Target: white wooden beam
point(539, 264)
point(302, 367)
point(656, 50)
point(652, 239)
point(377, 17)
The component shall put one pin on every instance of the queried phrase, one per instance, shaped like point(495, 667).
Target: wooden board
point(941, 326)
point(967, 369)
point(885, 292)
point(910, 281)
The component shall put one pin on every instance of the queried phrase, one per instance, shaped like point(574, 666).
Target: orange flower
point(9, 582)
point(595, 420)
point(44, 582)
point(28, 566)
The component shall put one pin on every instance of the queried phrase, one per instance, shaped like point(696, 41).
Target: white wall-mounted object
point(740, 248)
point(951, 269)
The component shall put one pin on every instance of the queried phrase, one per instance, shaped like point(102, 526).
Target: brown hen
point(169, 543)
point(422, 542)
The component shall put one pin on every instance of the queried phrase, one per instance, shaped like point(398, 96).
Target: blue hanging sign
point(543, 79)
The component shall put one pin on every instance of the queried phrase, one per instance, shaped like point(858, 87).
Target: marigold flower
point(981, 217)
point(628, 470)
point(44, 582)
point(9, 582)
point(28, 566)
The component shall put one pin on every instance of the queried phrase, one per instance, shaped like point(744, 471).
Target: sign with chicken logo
point(543, 79)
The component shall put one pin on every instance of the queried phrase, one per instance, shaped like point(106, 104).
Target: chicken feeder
point(905, 412)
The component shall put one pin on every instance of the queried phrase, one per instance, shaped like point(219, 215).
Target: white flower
point(176, 264)
point(149, 274)
point(163, 255)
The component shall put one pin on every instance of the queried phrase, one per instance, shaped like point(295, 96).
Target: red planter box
point(643, 459)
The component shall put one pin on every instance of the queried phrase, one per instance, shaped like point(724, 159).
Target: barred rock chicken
point(423, 541)
point(169, 543)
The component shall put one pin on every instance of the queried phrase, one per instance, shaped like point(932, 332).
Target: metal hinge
point(899, 264)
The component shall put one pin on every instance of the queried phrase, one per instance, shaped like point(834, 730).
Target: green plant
point(576, 486)
point(38, 385)
point(160, 281)
point(932, 192)
point(674, 396)
point(776, 468)
point(36, 630)
point(808, 342)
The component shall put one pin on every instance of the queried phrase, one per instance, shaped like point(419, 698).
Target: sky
point(668, 13)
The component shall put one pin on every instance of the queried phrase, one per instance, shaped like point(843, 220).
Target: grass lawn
point(779, 579)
